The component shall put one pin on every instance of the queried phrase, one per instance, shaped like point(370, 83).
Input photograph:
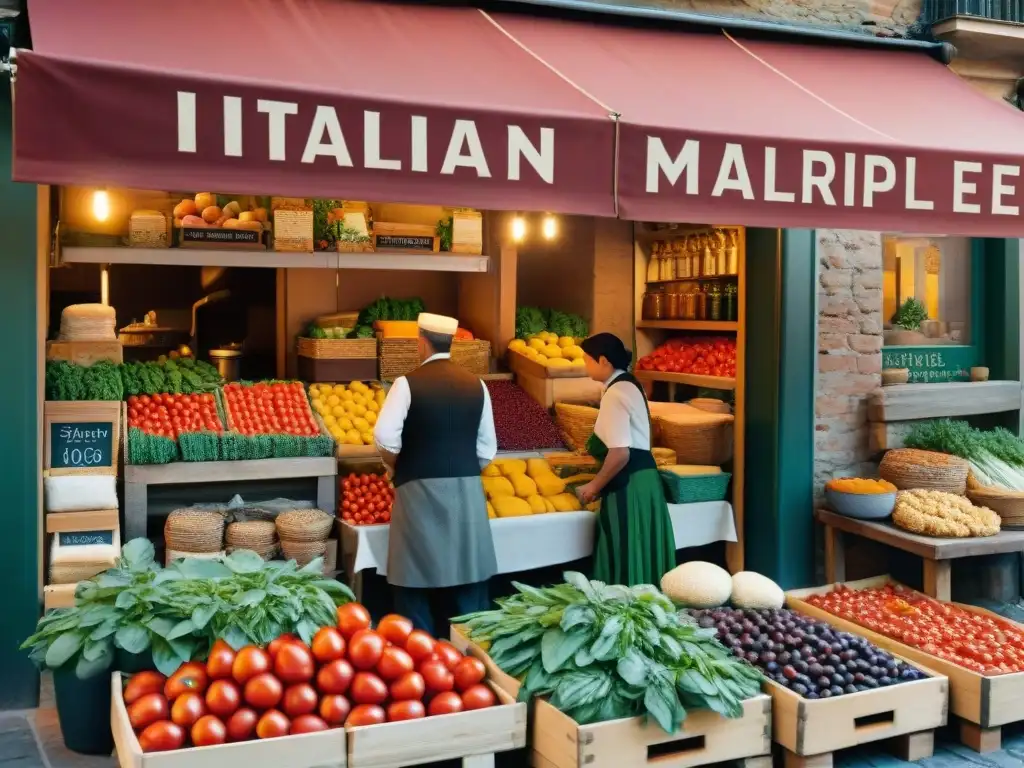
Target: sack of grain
point(88, 322)
point(80, 493)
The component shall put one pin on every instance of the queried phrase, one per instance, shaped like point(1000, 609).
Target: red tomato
point(334, 710)
point(420, 645)
point(352, 617)
point(208, 731)
point(294, 664)
point(147, 710)
point(437, 676)
point(242, 725)
point(335, 677)
point(249, 662)
point(263, 691)
point(142, 683)
point(223, 698)
point(394, 662)
point(299, 699)
point(272, 725)
point(162, 736)
point(405, 710)
point(468, 672)
point(365, 714)
point(367, 688)
point(447, 653)
point(220, 661)
point(478, 697)
point(328, 645)
point(365, 649)
point(190, 677)
point(187, 709)
point(307, 724)
point(409, 686)
point(445, 703)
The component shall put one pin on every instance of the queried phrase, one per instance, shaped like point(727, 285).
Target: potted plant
point(907, 325)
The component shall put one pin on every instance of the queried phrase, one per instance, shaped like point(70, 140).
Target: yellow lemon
point(552, 350)
point(359, 399)
point(381, 395)
point(357, 386)
point(320, 408)
point(315, 401)
point(353, 437)
point(373, 407)
point(367, 438)
point(329, 420)
point(557, 362)
point(566, 341)
point(578, 363)
point(572, 352)
point(337, 434)
point(345, 424)
point(517, 345)
point(349, 406)
point(359, 410)
point(337, 411)
point(361, 424)
point(536, 343)
point(314, 390)
point(333, 400)
point(346, 395)
point(371, 418)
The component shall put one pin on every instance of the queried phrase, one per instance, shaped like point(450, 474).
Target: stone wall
point(849, 349)
point(893, 15)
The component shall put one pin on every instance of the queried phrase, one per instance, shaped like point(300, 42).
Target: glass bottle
point(688, 306)
point(708, 265)
point(732, 254)
point(719, 249)
point(714, 303)
point(701, 303)
point(731, 310)
point(654, 265)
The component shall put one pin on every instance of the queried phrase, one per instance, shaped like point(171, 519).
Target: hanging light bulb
point(101, 205)
point(550, 227)
point(518, 229)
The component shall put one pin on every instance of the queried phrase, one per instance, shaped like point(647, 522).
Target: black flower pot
point(130, 663)
point(83, 710)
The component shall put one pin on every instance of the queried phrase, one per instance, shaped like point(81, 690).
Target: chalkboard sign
point(932, 364)
point(85, 538)
point(81, 445)
point(220, 236)
point(405, 243)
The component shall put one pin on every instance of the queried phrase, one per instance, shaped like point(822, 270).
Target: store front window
point(926, 305)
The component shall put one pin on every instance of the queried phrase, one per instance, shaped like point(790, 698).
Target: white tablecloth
point(538, 541)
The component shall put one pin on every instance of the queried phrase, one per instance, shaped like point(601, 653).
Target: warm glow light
point(101, 205)
point(518, 228)
point(550, 228)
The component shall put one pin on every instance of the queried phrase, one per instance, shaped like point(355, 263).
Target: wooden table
point(937, 554)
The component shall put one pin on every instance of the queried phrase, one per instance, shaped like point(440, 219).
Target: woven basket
point(696, 436)
point(337, 349)
point(194, 531)
point(302, 552)
point(693, 489)
point(255, 535)
point(909, 468)
point(304, 525)
point(171, 555)
point(664, 457)
point(474, 355)
point(398, 357)
point(1009, 505)
point(711, 405)
point(576, 423)
point(72, 573)
point(267, 553)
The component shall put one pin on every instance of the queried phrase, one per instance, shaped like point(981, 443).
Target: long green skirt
point(634, 543)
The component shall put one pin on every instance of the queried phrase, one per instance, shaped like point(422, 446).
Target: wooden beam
point(905, 402)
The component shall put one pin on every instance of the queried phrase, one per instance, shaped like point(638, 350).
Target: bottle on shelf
point(654, 264)
point(700, 300)
point(715, 302)
point(730, 310)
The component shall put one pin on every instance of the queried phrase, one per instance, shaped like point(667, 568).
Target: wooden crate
point(60, 415)
point(521, 364)
point(983, 703)
point(85, 352)
point(474, 737)
point(705, 737)
point(326, 749)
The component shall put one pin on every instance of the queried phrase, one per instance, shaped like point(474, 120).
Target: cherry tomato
point(299, 699)
point(352, 617)
point(328, 645)
point(272, 725)
point(147, 710)
point(335, 677)
point(448, 654)
point(405, 710)
point(294, 664)
point(394, 662)
point(223, 698)
point(142, 683)
point(334, 710)
point(162, 736)
point(420, 645)
point(367, 688)
point(366, 714)
point(207, 731)
point(249, 662)
point(478, 697)
point(446, 703)
point(242, 725)
point(365, 649)
point(307, 724)
point(220, 661)
point(190, 677)
point(263, 691)
point(409, 686)
point(187, 709)
point(468, 672)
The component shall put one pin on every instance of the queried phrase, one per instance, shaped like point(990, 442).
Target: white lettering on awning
point(659, 162)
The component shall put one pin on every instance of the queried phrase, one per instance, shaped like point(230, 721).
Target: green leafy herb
point(996, 456)
point(601, 652)
point(910, 315)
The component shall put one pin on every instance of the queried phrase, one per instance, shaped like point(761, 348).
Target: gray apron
point(440, 535)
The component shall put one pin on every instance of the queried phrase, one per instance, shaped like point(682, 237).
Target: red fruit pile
point(366, 499)
point(278, 408)
point(520, 422)
point(173, 415)
point(701, 357)
point(348, 676)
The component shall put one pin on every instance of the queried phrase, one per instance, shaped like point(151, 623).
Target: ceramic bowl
point(863, 506)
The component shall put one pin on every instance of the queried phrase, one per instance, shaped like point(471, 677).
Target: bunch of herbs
point(602, 652)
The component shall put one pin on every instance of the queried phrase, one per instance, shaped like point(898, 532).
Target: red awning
point(327, 98)
point(767, 133)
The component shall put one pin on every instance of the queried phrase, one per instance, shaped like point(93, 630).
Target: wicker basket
point(398, 357)
point(171, 555)
point(473, 355)
point(72, 573)
point(337, 349)
point(1009, 505)
point(267, 553)
point(194, 531)
point(711, 405)
point(694, 489)
point(576, 423)
point(304, 525)
point(303, 552)
point(664, 457)
point(697, 437)
point(255, 535)
point(909, 468)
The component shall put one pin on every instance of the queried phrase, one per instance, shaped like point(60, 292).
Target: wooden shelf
point(693, 279)
point(691, 325)
point(389, 260)
point(704, 382)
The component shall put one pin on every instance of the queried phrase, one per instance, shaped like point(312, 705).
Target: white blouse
point(622, 421)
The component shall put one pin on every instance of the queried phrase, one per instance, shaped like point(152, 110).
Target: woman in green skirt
point(634, 543)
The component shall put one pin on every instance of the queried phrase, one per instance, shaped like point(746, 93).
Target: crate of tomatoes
point(356, 695)
point(366, 499)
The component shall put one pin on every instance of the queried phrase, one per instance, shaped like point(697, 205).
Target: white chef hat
point(446, 326)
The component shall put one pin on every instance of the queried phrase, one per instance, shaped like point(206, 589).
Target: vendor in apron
point(435, 432)
point(634, 543)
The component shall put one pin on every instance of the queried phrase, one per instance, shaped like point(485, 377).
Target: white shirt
point(622, 421)
point(387, 434)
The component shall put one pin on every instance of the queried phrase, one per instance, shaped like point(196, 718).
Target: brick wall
point(849, 349)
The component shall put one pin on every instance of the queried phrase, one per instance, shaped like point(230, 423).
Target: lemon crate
point(334, 420)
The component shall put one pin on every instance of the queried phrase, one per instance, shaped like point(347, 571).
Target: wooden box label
point(932, 364)
point(81, 445)
point(85, 538)
point(221, 236)
point(405, 243)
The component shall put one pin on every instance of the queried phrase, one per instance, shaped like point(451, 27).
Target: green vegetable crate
point(558, 741)
point(694, 489)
